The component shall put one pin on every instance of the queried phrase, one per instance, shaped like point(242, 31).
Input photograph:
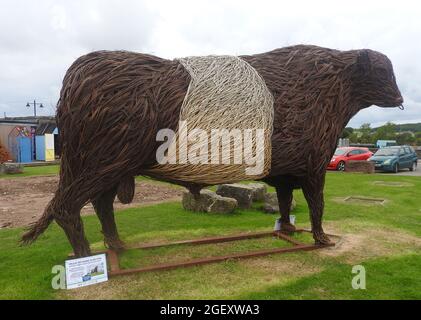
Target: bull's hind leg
point(313, 192)
point(105, 210)
point(284, 193)
point(72, 225)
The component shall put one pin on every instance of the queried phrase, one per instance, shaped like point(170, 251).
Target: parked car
point(344, 154)
point(395, 158)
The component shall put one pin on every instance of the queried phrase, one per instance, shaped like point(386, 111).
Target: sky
point(40, 39)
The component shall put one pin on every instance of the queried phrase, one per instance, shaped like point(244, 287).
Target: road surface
point(406, 172)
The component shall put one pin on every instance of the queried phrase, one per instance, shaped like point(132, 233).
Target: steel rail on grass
point(115, 270)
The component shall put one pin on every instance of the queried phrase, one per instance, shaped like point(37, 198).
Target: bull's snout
point(399, 101)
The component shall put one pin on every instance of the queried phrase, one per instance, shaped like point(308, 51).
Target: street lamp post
point(35, 104)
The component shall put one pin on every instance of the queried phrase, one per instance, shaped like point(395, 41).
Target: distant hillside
point(413, 127)
point(407, 133)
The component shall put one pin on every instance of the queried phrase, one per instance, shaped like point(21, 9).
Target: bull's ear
point(363, 61)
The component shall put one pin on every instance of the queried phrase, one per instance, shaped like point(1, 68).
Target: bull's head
point(374, 80)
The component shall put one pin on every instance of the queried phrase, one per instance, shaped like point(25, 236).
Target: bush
point(4, 154)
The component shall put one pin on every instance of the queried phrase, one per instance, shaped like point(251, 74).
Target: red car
point(342, 155)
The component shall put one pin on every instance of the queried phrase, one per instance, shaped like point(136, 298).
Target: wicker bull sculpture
point(113, 104)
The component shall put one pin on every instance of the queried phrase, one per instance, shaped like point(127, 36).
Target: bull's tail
point(37, 228)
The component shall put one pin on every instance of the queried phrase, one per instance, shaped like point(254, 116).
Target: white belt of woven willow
point(225, 93)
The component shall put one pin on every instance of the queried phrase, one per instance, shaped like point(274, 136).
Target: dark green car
point(395, 158)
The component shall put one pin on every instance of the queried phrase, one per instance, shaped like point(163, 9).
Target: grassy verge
point(54, 170)
point(34, 171)
point(384, 239)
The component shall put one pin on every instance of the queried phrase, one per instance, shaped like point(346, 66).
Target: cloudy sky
point(40, 39)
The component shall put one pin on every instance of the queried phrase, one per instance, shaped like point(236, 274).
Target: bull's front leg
point(313, 192)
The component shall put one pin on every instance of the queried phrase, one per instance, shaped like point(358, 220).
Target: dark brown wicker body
point(112, 105)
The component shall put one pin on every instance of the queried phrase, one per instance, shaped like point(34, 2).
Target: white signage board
point(86, 271)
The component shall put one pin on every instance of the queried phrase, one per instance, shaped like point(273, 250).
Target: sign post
point(86, 271)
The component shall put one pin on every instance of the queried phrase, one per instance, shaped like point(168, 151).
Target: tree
point(365, 131)
point(386, 132)
point(417, 137)
point(346, 134)
point(405, 138)
point(354, 137)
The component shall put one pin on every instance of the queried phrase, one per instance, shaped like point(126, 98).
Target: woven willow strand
point(225, 92)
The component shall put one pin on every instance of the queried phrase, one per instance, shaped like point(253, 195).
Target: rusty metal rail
point(115, 270)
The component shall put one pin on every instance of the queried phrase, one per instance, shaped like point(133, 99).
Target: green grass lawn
point(34, 171)
point(384, 239)
point(45, 171)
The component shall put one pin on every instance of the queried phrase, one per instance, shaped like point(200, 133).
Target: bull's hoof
point(321, 238)
point(287, 228)
point(115, 244)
